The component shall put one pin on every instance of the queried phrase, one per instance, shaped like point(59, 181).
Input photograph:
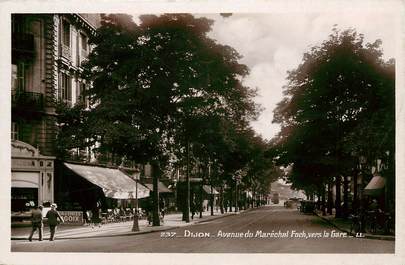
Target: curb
point(159, 229)
point(368, 236)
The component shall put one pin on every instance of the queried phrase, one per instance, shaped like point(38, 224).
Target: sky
point(273, 43)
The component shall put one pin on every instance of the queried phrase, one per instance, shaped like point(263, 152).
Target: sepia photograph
point(205, 131)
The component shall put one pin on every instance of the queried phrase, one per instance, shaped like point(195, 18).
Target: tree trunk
point(156, 174)
point(201, 200)
point(221, 199)
point(231, 199)
point(212, 201)
point(323, 195)
point(187, 210)
point(355, 203)
point(338, 200)
point(330, 198)
point(345, 196)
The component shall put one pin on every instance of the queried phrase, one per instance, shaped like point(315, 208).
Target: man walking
point(36, 222)
point(53, 216)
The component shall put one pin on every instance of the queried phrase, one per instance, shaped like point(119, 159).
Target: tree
point(154, 84)
point(339, 91)
point(71, 134)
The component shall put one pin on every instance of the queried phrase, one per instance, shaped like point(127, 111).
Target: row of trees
point(163, 92)
point(338, 118)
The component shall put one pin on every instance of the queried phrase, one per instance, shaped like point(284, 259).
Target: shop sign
point(72, 217)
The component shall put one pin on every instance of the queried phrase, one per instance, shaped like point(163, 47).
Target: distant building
point(284, 190)
point(47, 55)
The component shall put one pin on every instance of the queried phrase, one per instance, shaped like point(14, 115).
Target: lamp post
point(136, 176)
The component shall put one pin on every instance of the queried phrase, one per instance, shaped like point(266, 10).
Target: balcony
point(83, 56)
point(65, 52)
point(23, 46)
point(28, 101)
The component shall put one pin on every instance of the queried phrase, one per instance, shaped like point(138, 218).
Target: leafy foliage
point(162, 84)
point(338, 104)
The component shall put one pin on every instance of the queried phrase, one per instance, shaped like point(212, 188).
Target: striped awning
point(207, 189)
point(375, 187)
point(114, 183)
point(161, 187)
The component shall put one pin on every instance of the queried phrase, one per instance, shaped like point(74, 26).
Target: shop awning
point(161, 187)
point(24, 179)
point(115, 184)
point(375, 187)
point(207, 189)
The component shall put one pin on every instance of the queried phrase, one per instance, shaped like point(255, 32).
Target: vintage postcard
point(193, 131)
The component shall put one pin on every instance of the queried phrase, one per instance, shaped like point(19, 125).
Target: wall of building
point(36, 126)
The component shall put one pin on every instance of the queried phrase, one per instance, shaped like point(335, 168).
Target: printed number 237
point(167, 234)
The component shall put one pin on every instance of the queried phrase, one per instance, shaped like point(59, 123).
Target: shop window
point(22, 199)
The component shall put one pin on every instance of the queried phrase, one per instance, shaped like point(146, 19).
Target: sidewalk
point(171, 221)
point(344, 226)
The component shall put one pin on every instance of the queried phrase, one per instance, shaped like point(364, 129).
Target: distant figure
point(36, 222)
point(192, 208)
point(85, 217)
point(148, 210)
point(53, 216)
point(96, 220)
point(89, 216)
point(162, 207)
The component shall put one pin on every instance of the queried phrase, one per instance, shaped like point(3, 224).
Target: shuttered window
point(65, 91)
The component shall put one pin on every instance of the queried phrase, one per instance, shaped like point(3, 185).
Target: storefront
point(209, 193)
point(166, 196)
point(82, 187)
point(31, 178)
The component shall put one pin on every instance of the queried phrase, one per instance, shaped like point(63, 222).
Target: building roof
point(92, 19)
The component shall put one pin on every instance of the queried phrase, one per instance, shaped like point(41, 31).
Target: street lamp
point(136, 176)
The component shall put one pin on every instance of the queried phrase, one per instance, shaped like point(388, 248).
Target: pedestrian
point(36, 222)
point(148, 209)
point(162, 207)
point(89, 215)
point(85, 217)
point(192, 208)
point(53, 216)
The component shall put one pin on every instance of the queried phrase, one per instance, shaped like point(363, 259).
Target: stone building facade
point(47, 54)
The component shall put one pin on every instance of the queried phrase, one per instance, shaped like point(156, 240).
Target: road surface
point(268, 229)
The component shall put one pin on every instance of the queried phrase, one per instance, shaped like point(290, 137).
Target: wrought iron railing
point(65, 52)
point(28, 100)
point(23, 42)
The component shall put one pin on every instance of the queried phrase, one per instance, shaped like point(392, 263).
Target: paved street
point(248, 232)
